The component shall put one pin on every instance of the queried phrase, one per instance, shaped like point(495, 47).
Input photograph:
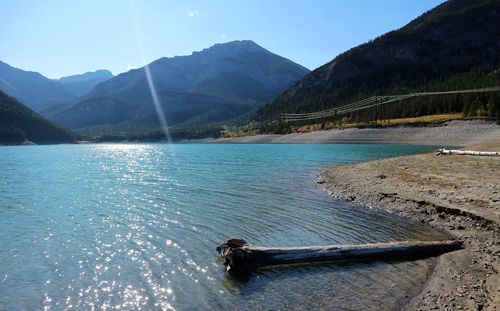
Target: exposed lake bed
point(450, 133)
point(458, 194)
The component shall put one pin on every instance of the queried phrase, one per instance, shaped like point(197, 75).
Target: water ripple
point(134, 226)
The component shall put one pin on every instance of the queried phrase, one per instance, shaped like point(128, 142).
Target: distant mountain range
point(453, 46)
point(19, 123)
point(39, 92)
point(31, 88)
point(217, 84)
point(82, 84)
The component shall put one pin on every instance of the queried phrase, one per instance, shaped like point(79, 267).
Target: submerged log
point(243, 258)
point(468, 152)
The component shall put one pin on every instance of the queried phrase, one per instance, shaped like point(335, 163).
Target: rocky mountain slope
point(453, 46)
point(213, 85)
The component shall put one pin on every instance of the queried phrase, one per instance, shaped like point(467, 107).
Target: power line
point(371, 102)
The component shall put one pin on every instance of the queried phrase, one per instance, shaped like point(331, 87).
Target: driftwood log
point(242, 258)
point(468, 152)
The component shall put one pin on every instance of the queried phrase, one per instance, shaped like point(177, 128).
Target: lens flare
point(149, 77)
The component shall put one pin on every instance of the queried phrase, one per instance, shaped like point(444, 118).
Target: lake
point(135, 226)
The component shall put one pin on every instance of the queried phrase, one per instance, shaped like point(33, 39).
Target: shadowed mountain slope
point(216, 84)
point(32, 88)
point(453, 46)
point(19, 123)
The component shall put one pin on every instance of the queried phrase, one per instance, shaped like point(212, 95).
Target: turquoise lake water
point(135, 226)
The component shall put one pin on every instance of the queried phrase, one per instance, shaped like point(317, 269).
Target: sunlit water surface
point(135, 226)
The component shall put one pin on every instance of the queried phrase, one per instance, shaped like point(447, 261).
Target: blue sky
point(60, 37)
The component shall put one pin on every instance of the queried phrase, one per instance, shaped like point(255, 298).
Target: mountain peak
point(81, 84)
point(216, 84)
point(101, 74)
point(237, 45)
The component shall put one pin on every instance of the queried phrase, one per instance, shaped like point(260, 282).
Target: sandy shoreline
point(452, 133)
point(459, 194)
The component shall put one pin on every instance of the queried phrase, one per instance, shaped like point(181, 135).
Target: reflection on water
point(134, 226)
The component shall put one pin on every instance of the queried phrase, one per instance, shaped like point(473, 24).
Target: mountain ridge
point(32, 88)
point(88, 75)
point(82, 84)
point(452, 46)
point(223, 81)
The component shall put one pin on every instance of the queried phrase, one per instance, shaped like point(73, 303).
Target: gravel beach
point(452, 133)
point(459, 194)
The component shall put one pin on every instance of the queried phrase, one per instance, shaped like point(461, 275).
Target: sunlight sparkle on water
point(134, 226)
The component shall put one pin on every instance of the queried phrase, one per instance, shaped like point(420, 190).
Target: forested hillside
point(454, 46)
point(19, 123)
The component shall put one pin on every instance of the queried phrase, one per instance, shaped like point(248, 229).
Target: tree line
point(472, 105)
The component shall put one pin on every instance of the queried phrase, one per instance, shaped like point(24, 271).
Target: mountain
point(19, 123)
point(453, 46)
point(216, 84)
point(33, 89)
point(81, 84)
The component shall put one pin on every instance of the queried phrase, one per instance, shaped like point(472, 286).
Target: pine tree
point(491, 107)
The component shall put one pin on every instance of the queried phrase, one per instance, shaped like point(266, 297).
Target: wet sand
point(459, 194)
